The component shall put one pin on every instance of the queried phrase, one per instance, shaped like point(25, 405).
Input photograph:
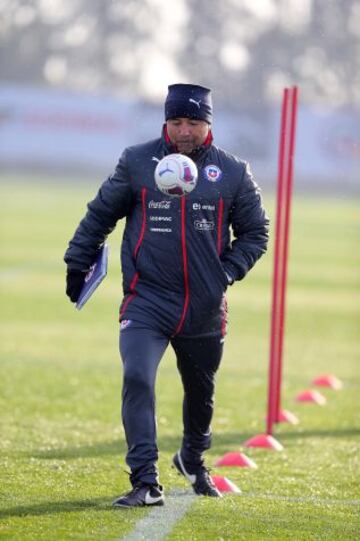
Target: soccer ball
point(176, 175)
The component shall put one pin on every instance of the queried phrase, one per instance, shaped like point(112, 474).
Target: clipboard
point(94, 277)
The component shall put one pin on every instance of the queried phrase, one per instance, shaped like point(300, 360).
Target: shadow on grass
point(113, 447)
point(226, 440)
point(50, 508)
point(222, 441)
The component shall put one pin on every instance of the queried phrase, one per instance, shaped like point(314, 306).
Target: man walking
point(177, 261)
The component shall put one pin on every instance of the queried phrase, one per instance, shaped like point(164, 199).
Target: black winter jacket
point(176, 252)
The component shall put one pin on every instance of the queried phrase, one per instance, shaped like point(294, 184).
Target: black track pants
point(198, 359)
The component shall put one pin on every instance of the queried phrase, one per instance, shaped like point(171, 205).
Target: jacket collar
point(197, 153)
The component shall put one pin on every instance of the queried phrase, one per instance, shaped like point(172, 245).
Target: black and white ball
point(176, 175)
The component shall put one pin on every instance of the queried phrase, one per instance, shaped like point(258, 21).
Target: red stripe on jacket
point(224, 311)
point(219, 225)
point(132, 294)
point(185, 267)
point(135, 279)
point(143, 223)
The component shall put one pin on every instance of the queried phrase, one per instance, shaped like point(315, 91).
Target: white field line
point(161, 520)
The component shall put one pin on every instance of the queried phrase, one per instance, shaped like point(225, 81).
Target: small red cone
point(328, 380)
point(224, 484)
point(286, 416)
point(265, 441)
point(236, 459)
point(311, 396)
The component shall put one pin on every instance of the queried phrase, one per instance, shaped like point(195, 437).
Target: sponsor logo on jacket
point(198, 206)
point(204, 225)
point(160, 218)
point(161, 229)
point(159, 204)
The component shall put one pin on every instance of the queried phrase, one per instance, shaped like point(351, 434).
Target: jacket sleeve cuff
point(233, 273)
point(230, 279)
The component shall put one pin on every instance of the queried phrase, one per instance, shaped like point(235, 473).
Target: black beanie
point(188, 101)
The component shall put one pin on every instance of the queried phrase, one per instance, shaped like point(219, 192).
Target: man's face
point(187, 133)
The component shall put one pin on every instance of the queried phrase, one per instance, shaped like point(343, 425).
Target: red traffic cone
point(236, 459)
point(286, 416)
point(266, 441)
point(311, 396)
point(223, 484)
point(328, 380)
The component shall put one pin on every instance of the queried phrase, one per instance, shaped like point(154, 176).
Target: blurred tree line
point(246, 50)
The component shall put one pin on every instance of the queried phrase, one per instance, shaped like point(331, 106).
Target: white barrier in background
point(65, 130)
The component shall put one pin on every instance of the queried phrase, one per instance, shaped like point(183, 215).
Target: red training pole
point(283, 203)
point(289, 174)
point(274, 333)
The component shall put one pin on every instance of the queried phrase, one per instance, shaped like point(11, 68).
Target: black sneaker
point(141, 495)
point(201, 481)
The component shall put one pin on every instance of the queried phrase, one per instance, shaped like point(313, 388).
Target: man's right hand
point(74, 283)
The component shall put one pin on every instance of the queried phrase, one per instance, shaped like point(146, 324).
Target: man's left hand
point(74, 283)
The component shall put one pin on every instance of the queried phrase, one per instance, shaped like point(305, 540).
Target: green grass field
point(62, 444)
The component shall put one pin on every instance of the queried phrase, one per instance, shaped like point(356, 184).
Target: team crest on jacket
point(125, 323)
point(212, 173)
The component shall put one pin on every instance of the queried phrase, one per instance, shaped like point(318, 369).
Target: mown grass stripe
point(301, 499)
point(161, 520)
